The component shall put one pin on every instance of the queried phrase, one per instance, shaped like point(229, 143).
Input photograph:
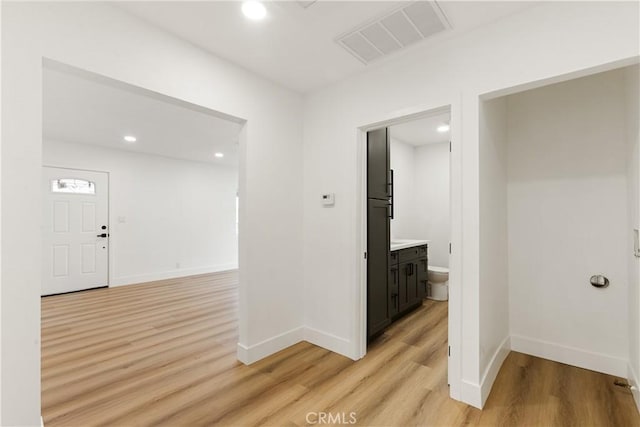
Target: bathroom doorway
point(408, 234)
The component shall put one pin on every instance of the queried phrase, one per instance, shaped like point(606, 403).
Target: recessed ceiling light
point(130, 138)
point(443, 128)
point(219, 155)
point(254, 10)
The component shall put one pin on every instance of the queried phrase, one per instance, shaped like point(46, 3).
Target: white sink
point(397, 244)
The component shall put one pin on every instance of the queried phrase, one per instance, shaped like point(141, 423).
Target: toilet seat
point(437, 269)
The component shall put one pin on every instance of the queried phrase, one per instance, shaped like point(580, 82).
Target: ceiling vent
point(395, 30)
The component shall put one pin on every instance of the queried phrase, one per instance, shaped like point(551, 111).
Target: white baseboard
point(634, 381)
point(492, 370)
point(330, 342)
point(171, 274)
point(570, 355)
point(471, 394)
point(251, 354)
point(476, 394)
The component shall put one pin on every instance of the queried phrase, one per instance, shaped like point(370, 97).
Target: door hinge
point(449, 351)
point(365, 255)
point(449, 146)
point(449, 247)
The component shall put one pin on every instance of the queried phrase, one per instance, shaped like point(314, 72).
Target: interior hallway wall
point(567, 209)
point(632, 98)
point(494, 282)
point(103, 39)
point(549, 40)
point(179, 216)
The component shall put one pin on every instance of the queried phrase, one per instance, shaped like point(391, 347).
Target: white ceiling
point(84, 109)
point(422, 131)
point(295, 46)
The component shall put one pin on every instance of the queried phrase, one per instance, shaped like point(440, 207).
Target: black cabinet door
point(423, 272)
point(412, 284)
point(378, 169)
point(394, 283)
point(409, 285)
point(377, 265)
point(403, 285)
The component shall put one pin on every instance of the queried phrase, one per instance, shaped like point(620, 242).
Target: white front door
point(75, 230)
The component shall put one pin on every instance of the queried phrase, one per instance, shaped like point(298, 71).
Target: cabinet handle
point(391, 195)
point(409, 269)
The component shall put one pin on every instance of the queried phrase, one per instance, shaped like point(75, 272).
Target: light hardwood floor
point(164, 353)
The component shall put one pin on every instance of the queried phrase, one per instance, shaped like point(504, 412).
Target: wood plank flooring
point(164, 354)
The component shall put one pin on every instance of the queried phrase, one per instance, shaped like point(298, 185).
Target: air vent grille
point(395, 30)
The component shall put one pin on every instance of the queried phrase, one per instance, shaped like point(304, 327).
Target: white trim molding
point(270, 346)
point(171, 274)
point(476, 394)
point(570, 355)
point(253, 353)
point(634, 382)
point(470, 393)
point(330, 342)
point(490, 374)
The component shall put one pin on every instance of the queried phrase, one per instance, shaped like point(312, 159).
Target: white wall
point(1, 137)
point(402, 159)
point(543, 42)
point(632, 92)
point(421, 187)
point(494, 284)
point(431, 189)
point(567, 209)
point(176, 211)
point(100, 38)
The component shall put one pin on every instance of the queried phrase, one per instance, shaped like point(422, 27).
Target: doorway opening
point(409, 195)
point(558, 220)
point(141, 198)
point(169, 201)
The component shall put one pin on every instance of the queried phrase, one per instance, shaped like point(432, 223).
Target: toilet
point(438, 279)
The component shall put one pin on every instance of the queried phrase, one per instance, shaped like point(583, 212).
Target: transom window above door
point(73, 185)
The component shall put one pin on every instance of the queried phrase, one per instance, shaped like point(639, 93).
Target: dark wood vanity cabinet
point(393, 286)
point(407, 279)
point(423, 269)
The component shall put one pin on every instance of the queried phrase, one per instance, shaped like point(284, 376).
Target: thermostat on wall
point(328, 199)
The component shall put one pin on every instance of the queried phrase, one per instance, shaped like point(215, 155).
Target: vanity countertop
point(397, 244)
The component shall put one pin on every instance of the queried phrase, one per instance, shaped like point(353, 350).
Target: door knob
point(103, 235)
